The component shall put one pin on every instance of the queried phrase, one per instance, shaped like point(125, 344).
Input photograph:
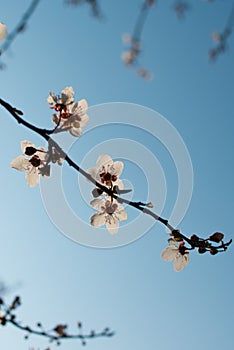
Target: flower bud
point(29, 151)
point(194, 238)
point(201, 250)
point(213, 251)
point(176, 235)
point(149, 205)
point(216, 237)
point(96, 192)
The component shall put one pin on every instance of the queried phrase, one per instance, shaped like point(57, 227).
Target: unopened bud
point(176, 235)
point(216, 237)
point(201, 250)
point(213, 251)
point(149, 205)
point(29, 151)
point(194, 238)
point(96, 192)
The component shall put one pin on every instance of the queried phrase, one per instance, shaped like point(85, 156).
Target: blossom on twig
point(110, 213)
point(107, 171)
point(177, 253)
point(70, 116)
point(33, 163)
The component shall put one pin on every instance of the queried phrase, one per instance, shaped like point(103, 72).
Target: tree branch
point(194, 241)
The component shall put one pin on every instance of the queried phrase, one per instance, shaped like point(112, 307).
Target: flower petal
point(98, 204)
point(181, 261)
point(82, 107)
point(67, 95)
point(98, 219)
point(51, 98)
point(112, 224)
point(25, 144)
point(42, 155)
point(104, 160)
point(169, 253)
point(119, 183)
point(77, 132)
point(117, 168)
point(172, 242)
point(32, 177)
point(84, 120)
point(92, 172)
point(121, 215)
point(20, 163)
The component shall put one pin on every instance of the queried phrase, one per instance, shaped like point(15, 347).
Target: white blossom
point(177, 254)
point(107, 171)
point(3, 31)
point(128, 57)
point(33, 165)
point(110, 213)
point(70, 116)
point(77, 117)
point(66, 97)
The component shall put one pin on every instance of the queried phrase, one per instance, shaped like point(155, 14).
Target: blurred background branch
point(19, 28)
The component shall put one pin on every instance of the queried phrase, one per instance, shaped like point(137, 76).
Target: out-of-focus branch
point(56, 334)
point(131, 57)
point(19, 28)
point(221, 39)
point(181, 7)
point(92, 3)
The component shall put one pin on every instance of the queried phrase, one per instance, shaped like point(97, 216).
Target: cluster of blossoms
point(35, 162)
point(109, 211)
point(70, 116)
point(179, 253)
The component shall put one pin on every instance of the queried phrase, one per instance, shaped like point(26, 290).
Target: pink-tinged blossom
point(32, 165)
point(176, 253)
point(110, 213)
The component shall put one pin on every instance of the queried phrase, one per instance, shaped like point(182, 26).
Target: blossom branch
point(45, 133)
point(56, 334)
point(109, 211)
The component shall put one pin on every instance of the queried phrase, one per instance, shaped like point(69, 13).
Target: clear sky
point(129, 288)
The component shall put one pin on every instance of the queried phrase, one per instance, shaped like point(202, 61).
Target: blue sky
point(128, 288)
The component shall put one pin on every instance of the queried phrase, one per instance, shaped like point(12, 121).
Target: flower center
point(107, 178)
point(110, 208)
point(35, 161)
